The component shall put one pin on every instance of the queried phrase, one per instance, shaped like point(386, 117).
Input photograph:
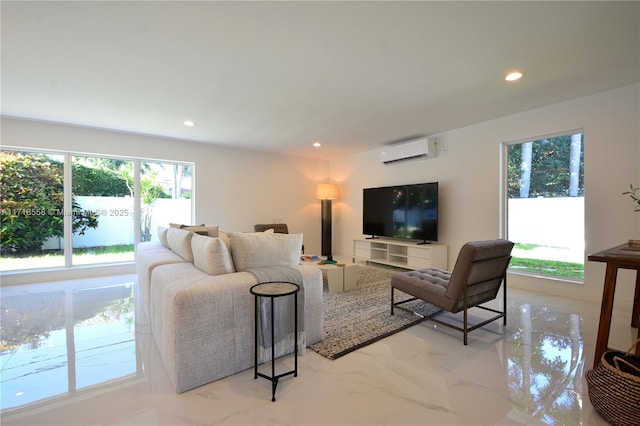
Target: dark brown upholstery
point(476, 278)
point(280, 228)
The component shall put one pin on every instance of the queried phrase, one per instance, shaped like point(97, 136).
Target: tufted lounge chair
point(476, 278)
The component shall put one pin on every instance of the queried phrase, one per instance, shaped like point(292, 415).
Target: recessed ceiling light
point(189, 123)
point(317, 144)
point(513, 76)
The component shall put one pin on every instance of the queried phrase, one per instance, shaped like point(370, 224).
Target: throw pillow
point(211, 255)
point(180, 243)
point(162, 235)
point(224, 237)
point(212, 230)
point(260, 249)
point(197, 229)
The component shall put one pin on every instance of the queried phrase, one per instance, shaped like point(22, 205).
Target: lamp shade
point(327, 191)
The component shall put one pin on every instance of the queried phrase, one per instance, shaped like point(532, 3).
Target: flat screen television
point(401, 211)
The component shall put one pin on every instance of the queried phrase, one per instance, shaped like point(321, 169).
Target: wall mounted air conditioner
point(410, 150)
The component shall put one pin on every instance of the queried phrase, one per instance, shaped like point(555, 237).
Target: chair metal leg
point(465, 325)
point(465, 331)
point(504, 300)
point(392, 300)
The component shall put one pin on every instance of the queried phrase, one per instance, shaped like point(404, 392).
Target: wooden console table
point(619, 257)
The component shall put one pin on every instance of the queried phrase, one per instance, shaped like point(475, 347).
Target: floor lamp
point(326, 193)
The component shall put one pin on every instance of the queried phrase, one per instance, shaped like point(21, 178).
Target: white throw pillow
point(224, 237)
point(180, 243)
point(260, 249)
point(210, 255)
point(162, 235)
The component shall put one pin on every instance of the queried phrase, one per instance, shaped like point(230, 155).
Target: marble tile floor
point(76, 353)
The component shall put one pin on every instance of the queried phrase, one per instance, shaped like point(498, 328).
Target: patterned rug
point(362, 316)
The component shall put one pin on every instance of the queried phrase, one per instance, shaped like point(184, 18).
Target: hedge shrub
point(32, 203)
point(98, 182)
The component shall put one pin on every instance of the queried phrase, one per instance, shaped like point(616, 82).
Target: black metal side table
point(273, 290)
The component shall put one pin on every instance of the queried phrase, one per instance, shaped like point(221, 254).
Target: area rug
point(362, 316)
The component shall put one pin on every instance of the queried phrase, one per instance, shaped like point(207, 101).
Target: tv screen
point(401, 211)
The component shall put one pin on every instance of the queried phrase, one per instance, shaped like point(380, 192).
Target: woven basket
point(614, 387)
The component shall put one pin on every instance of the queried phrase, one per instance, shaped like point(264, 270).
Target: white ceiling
point(278, 76)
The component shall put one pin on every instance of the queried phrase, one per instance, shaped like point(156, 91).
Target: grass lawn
point(542, 260)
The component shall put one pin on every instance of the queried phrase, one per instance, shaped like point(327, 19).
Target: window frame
point(68, 196)
point(504, 198)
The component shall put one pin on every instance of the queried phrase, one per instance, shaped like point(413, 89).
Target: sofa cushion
point(180, 243)
point(260, 249)
point(211, 255)
point(162, 235)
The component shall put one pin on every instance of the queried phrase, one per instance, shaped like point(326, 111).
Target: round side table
point(273, 290)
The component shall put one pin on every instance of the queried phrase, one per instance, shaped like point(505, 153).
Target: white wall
point(470, 182)
point(233, 188)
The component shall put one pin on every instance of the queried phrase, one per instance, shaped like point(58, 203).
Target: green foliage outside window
point(98, 182)
point(550, 169)
point(32, 203)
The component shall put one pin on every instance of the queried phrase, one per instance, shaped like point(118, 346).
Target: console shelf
point(402, 254)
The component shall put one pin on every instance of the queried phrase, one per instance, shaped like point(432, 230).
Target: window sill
point(32, 276)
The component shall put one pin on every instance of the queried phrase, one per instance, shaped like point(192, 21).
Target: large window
point(166, 192)
point(545, 205)
point(31, 206)
point(62, 209)
point(102, 190)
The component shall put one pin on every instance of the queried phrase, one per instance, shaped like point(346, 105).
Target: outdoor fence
point(116, 220)
point(555, 222)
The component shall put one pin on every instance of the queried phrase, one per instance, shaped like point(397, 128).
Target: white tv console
point(402, 254)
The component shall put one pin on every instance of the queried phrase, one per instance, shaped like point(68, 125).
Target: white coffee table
point(339, 278)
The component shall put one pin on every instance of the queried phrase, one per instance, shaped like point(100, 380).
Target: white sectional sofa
point(194, 290)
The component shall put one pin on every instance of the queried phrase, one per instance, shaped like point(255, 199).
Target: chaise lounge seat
point(476, 279)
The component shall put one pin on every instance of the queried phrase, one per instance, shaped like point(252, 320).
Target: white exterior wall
point(116, 222)
point(555, 222)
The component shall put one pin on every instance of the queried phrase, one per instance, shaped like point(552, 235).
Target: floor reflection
point(545, 365)
point(60, 341)
point(75, 353)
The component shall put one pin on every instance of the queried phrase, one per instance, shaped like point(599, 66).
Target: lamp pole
point(327, 192)
point(326, 230)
